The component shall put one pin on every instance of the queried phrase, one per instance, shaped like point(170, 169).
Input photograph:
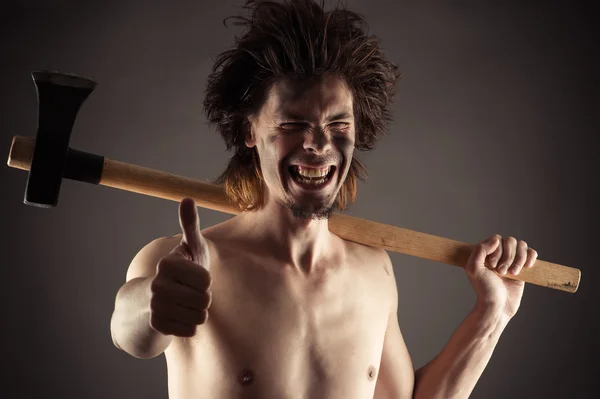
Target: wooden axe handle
point(160, 184)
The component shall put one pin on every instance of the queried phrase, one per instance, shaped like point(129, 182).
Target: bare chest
point(272, 333)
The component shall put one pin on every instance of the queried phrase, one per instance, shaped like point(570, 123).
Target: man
point(270, 303)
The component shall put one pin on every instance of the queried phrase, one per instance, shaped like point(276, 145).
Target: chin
point(311, 212)
point(304, 214)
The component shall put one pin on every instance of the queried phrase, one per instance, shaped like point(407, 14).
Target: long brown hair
point(298, 40)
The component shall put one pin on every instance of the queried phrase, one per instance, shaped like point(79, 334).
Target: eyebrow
point(296, 117)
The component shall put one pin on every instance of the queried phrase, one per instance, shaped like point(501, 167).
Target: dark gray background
point(495, 131)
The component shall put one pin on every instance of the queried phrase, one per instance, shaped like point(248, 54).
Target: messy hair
point(297, 40)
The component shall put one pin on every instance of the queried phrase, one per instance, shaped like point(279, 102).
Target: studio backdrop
point(495, 130)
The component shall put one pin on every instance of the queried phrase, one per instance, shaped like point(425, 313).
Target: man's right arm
point(130, 322)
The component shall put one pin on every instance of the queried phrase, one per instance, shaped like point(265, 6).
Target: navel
point(245, 377)
point(371, 372)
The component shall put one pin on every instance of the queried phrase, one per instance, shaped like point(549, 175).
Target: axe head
point(59, 97)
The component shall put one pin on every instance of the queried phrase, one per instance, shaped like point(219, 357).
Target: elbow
point(131, 347)
point(145, 355)
point(138, 352)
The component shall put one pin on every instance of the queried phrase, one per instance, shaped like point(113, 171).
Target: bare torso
point(273, 332)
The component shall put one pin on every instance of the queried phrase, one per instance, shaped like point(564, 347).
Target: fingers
point(531, 257)
point(190, 225)
point(511, 256)
point(509, 246)
point(168, 326)
point(494, 255)
point(181, 294)
point(519, 259)
point(481, 252)
point(178, 313)
point(185, 272)
point(180, 297)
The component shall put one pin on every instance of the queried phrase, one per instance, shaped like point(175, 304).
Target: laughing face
point(304, 135)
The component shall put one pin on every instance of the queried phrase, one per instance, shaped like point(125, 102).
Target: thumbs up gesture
point(181, 287)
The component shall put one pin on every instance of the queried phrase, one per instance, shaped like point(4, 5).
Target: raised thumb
point(190, 226)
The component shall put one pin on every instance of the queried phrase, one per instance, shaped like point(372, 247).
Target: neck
point(301, 243)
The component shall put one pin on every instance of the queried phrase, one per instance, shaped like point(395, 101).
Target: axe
point(49, 159)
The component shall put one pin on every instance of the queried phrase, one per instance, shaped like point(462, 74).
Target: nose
point(317, 140)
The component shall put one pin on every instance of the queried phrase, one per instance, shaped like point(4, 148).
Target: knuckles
point(510, 252)
point(155, 303)
point(533, 252)
point(208, 300)
point(164, 264)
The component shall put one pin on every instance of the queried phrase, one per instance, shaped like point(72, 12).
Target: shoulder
point(222, 238)
point(144, 262)
point(164, 245)
point(373, 257)
point(377, 265)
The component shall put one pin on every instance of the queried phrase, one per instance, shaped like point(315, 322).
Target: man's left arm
point(455, 371)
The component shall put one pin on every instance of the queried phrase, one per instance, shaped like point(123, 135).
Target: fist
point(180, 289)
point(510, 255)
point(493, 259)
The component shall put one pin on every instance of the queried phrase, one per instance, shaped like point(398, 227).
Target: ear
point(250, 137)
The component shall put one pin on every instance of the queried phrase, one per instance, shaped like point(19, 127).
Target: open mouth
point(311, 178)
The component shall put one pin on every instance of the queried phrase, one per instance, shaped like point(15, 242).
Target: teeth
point(310, 175)
point(311, 172)
point(311, 181)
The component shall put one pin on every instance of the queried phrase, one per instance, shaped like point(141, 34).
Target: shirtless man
point(270, 303)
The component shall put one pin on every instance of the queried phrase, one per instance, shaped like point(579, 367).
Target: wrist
point(491, 313)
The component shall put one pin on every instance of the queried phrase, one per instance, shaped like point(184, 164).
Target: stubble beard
point(305, 212)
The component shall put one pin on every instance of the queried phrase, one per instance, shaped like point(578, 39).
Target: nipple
point(245, 377)
point(371, 372)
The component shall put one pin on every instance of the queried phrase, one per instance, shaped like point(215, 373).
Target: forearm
point(130, 323)
point(458, 367)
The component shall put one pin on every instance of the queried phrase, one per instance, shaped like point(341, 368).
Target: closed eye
point(297, 125)
point(340, 124)
point(292, 125)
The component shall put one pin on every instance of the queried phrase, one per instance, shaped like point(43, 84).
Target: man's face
point(305, 136)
